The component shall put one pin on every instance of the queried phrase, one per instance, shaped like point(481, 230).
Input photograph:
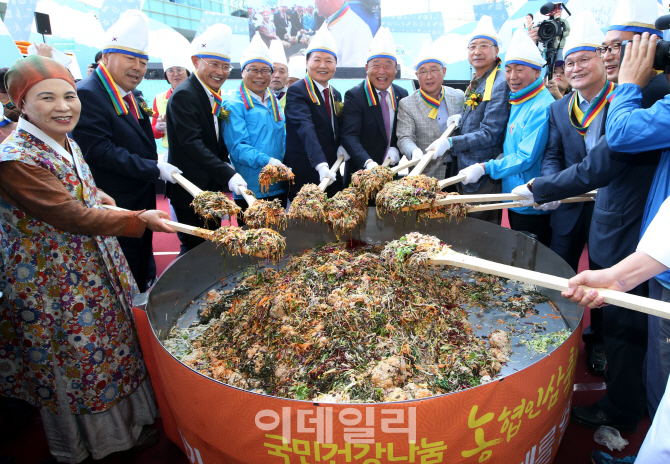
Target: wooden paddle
point(625, 300)
point(451, 199)
point(325, 182)
point(428, 157)
point(517, 204)
point(194, 190)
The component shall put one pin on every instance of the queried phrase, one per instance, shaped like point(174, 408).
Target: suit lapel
point(379, 117)
point(323, 109)
point(204, 100)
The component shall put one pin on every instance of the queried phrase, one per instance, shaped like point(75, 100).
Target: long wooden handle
point(483, 198)
point(178, 226)
point(425, 159)
point(325, 182)
point(626, 300)
point(405, 165)
point(189, 186)
point(451, 181)
point(386, 162)
point(250, 199)
point(517, 204)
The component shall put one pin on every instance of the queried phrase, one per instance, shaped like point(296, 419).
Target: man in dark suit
point(623, 182)
point(192, 118)
point(116, 138)
point(282, 22)
point(296, 21)
point(313, 122)
point(369, 118)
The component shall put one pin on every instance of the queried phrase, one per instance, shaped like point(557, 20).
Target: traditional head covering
point(323, 41)
point(24, 74)
point(485, 30)
point(382, 45)
point(428, 54)
point(256, 52)
point(129, 35)
point(635, 16)
point(522, 50)
point(214, 43)
point(297, 67)
point(585, 34)
point(277, 54)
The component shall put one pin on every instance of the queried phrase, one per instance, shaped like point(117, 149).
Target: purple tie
point(387, 119)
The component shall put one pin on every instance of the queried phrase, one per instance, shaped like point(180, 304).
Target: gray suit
point(416, 130)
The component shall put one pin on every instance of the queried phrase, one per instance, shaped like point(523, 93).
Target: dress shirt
point(390, 107)
point(211, 102)
point(263, 101)
point(593, 132)
point(332, 116)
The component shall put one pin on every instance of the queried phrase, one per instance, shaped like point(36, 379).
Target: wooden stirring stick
point(452, 199)
point(428, 157)
point(517, 204)
point(325, 182)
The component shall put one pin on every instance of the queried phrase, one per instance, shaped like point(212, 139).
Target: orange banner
point(520, 418)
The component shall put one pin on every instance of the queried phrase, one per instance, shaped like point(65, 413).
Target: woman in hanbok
point(68, 344)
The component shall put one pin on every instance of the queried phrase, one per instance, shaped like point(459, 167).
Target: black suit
point(363, 132)
point(282, 24)
point(122, 155)
point(310, 139)
point(196, 150)
point(296, 23)
point(623, 182)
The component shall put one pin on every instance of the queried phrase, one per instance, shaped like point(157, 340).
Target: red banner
point(520, 418)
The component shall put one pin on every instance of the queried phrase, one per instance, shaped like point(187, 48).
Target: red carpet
point(27, 443)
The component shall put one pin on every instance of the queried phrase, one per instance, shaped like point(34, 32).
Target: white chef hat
point(428, 54)
point(214, 43)
point(485, 30)
point(323, 41)
point(256, 52)
point(277, 53)
point(129, 35)
point(522, 50)
point(382, 45)
point(636, 16)
point(297, 67)
point(585, 34)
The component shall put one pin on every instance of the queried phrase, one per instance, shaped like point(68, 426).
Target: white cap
point(323, 41)
point(485, 30)
point(214, 43)
point(382, 45)
point(428, 54)
point(584, 35)
point(61, 57)
point(180, 58)
point(297, 67)
point(522, 50)
point(256, 52)
point(635, 16)
point(129, 35)
point(277, 53)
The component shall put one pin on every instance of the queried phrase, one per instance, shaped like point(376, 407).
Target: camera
point(550, 32)
point(662, 58)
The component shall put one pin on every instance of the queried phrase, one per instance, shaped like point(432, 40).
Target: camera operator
point(624, 181)
point(552, 32)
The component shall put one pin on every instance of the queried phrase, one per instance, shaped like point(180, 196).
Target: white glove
point(522, 190)
point(474, 173)
point(161, 126)
point(236, 184)
point(394, 155)
point(440, 146)
point(324, 173)
point(275, 162)
point(341, 151)
point(166, 170)
point(454, 118)
point(417, 153)
point(370, 164)
point(552, 205)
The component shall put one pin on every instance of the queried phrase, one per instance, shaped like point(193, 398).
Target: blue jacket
point(623, 181)
point(526, 137)
point(253, 137)
point(482, 131)
point(631, 129)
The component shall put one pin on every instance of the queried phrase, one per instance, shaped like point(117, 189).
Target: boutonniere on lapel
point(223, 114)
point(473, 100)
point(338, 108)
point(148, 111)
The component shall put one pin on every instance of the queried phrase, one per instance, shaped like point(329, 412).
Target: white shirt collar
point(318, 86)
point(582, 99)
point(264, 100)
point(207, 91)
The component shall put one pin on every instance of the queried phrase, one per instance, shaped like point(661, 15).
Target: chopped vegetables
point(309, 204)
point(271, 174)
point(409, 191)
point(457, 210)
point(346, 210)
point(542, 343)
point(264, 213)
point(264, 243)
point(371, 181)
point(214, 205)
point(412, 250)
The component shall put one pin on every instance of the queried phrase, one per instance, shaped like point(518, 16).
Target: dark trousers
point(242, 203)
point(537, 224)
point(188, 216)
point(140, 256)
point(570, 246)
point(624, 334)
point(657, 365)
point(593, 334)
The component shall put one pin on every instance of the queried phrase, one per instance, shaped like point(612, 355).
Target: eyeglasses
point(614, 49)
point(482, 47)
point(216, 67)
point(582, 63)
point(386, 67)
point(172, 71)
point(432, 72)
point(255, 72)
